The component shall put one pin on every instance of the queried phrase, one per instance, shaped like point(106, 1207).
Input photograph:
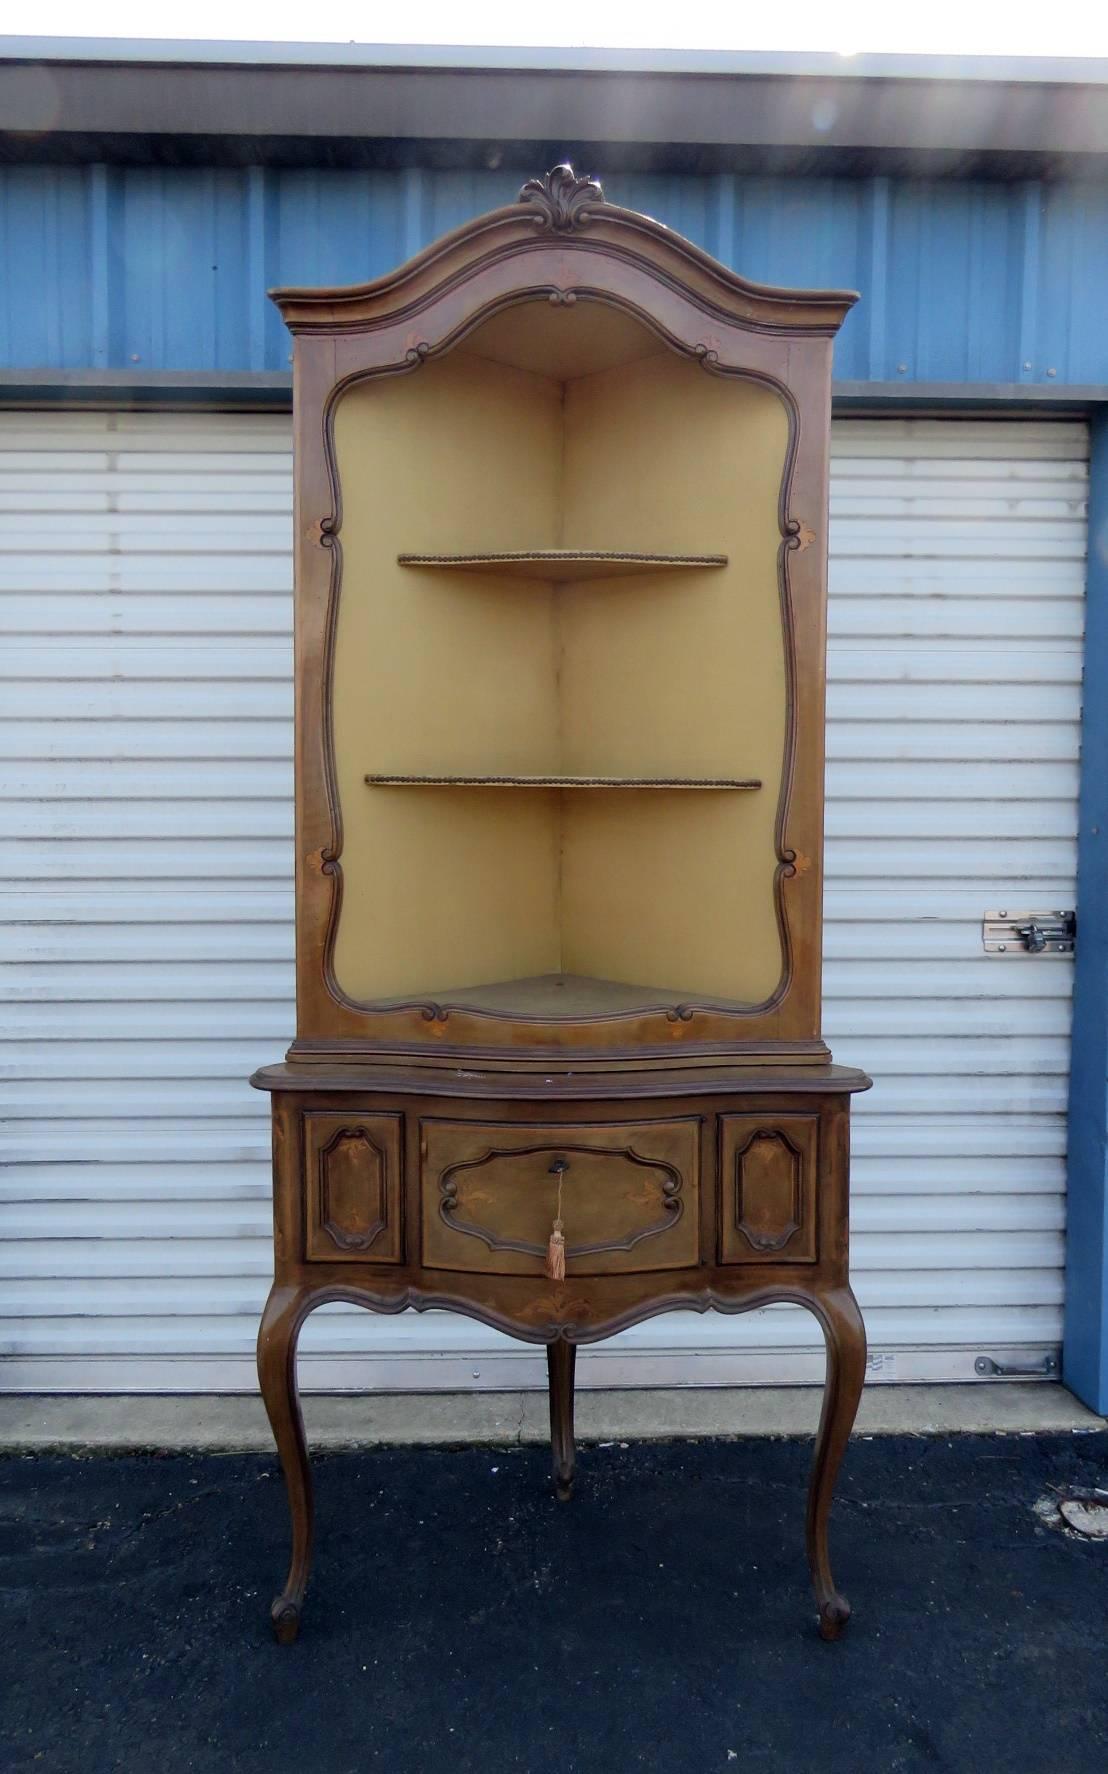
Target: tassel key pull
point(556, 1248)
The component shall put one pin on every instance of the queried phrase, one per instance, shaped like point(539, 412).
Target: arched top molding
point(561, 208)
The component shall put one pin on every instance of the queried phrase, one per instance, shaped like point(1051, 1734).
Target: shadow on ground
point(460, 1619)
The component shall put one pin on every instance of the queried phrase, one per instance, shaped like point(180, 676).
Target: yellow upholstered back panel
point(444, 888)
point(668, 674)
point(677, 674)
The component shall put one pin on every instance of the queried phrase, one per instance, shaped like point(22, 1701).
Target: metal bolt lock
point(1028, 933)
point(1046, 1366)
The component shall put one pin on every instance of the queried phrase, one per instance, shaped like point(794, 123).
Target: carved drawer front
point(767, 1192)
point(629, 1196)
point(353, 1188)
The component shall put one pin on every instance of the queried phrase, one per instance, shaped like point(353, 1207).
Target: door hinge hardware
point(1028, 933)
point(1047, 1368)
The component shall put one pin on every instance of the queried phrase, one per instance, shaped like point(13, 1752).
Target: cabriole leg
point(845, 1336)
point(285, 1311)
point(561, 1360)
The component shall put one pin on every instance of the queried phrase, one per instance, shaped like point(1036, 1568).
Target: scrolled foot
point(285, 1615)
point(833, 1616)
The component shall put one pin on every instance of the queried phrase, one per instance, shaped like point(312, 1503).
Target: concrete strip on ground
point(237, 1423)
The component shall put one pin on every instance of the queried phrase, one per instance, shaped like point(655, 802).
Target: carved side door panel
point(353, 1188)
point(768, 1169)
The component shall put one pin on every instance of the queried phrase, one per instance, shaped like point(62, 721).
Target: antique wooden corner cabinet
point(561, 490)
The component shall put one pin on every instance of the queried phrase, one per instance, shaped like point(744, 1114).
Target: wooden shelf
point(650, 782)
point(564, 563)
point(558, 995)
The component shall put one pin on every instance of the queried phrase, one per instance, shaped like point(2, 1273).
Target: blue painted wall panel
point(337, 227)
point(175, 249)
point(688, 205)
point(953, 284)
point(450, 198)
point(166, 269)
point(231, 282)
point(45, 296)
point(1072, 336)
point(805, 231)
point(1085, 1351)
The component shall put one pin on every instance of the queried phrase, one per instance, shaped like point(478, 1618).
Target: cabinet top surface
point(564, 1086)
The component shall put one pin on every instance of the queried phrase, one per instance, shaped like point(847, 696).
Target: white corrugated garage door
point(147, 907)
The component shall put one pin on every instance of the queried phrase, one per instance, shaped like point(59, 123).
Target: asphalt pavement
point(460, 1619)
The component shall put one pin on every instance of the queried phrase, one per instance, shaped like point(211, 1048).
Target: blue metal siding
point(165, 269)
point(955, 256)
point(446, 199)
point(45, 291)
point(1073, 284)
point(1085, 1351)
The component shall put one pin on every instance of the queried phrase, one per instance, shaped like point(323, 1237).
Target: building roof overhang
point(356, 105)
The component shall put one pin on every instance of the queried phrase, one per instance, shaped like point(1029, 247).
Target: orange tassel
point(556, 1249)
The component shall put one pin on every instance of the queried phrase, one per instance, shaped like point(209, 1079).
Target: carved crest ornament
point(561, 200)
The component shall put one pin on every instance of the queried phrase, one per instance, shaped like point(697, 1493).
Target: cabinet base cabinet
point(695, 1193)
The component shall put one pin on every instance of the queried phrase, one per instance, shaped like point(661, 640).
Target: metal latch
point(1047, 1367)
point(1028, 933)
